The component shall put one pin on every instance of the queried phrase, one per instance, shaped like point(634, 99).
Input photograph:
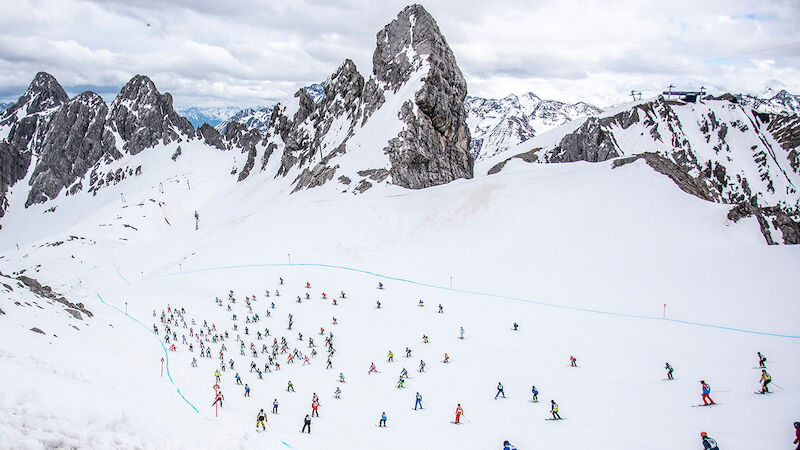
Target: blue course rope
point(484, 294)
point(166, 355)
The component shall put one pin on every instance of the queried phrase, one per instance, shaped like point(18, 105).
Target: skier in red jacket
point(459, 413)
point(797, 434)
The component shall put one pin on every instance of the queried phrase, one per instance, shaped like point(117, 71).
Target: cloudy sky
point(256, 52)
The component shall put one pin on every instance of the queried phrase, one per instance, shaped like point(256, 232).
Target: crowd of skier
point(212, 344)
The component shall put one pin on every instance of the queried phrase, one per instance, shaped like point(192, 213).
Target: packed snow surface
point(581, 256)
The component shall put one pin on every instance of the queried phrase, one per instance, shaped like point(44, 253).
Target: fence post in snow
point(665, 311)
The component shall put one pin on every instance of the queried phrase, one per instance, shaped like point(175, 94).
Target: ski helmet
point(703, 434)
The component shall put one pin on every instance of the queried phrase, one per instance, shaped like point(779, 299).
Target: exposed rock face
point(26, 119)
point(72, 137)
point(76, 139)
point(770, 219)
point(143, 117)
point(211, 136)
point(434, 148)
point(588, 143)
point(237, 135)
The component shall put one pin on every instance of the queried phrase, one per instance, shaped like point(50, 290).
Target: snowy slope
point(647, 244)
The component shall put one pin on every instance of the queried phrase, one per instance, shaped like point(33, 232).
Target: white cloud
point(254, 52)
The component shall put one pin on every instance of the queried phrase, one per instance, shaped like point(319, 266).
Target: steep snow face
point(769, 102)
point(499, 124)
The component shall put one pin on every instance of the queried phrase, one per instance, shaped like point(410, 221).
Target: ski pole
point(778, 387)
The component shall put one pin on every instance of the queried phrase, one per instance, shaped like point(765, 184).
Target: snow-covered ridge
point(726, 152)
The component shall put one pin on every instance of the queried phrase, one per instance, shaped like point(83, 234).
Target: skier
point(408, 352)
point(421, 303)
point(390, 357)
point(217, 374)
point(762, 360)
point(446, 358)
point(572, 361)
point(372, 368)
point(706, 393)
point(280, 281)
point(418, 402)
point(459, 413)
point(500, 390)
point(290, 387)
point(261, 419)
point(404, 373)
point(308, 285)
point(516, 328)
point(425, 338)
point(238, 379)
point(218, 399)
point(669, 371)
point(401, 383)
point(708, 443)
point(275, 406)
point(194, 362)
point(507, 446)
point(315, 407)
point(341, 377)
point(797, 435)
point(246, 390)
point(554, 410)
point(535, 394)
point(462, 333)
point(306, 424)
point(382, 423)
point(378, 305)
point(337, 393)
point(766, 379)
point(421, 366)
point(380, 285)
point(441, 309)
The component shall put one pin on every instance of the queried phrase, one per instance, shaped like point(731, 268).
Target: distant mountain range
point(499, 124)
point(495, 124)
point(770, 102)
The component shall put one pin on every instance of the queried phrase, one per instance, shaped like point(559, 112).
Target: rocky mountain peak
point(405, 42)
point(143, 117)
point(43, 93)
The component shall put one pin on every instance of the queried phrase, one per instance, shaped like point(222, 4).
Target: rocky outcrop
point(591, 142)
point(211, 136)
point(76, 139)
point(143, 117)
point(434, 147)
point(770, 219)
